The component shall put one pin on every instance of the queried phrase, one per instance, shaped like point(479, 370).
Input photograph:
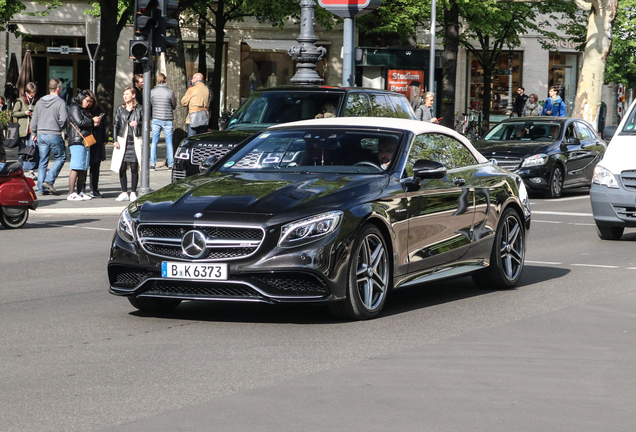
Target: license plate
point(178, 270)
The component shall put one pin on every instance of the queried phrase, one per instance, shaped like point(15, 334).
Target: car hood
point(226, 136)
point(239, 197)
point(511, 148)
point(620, 154)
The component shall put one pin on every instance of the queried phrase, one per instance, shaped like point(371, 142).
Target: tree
point(620, 66)
point(597, 50)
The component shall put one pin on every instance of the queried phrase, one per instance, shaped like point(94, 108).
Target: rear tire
point(609, 232)
point(369, 278)
point(152, 304)
point(507, 256)
point(12, 218)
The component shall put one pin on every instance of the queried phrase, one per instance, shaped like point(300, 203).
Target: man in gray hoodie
point(49, 120)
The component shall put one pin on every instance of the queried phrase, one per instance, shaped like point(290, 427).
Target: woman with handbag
point(127, 151)
point(79, 130)
point(23, 113)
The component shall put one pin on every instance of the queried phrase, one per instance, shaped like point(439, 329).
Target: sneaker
point(133, 196)
point(49, 187)
point(152, 167)
point(122, 197)
point(33, 176)
point(84, 196)
point(96, 194)
point(74, 197)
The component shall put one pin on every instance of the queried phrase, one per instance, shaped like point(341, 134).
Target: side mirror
point(428, 169)
point(608, 133)
point(207, 164)
point(573, 140)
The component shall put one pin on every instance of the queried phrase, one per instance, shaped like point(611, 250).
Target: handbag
point(89, 140)
point(198, 119)
point(12, 138)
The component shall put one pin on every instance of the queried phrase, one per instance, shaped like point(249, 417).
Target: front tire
point(152, 304)
point(556, 182)
point(369, 277)
point(12, 218)
point(609, 232)
point(508, 254)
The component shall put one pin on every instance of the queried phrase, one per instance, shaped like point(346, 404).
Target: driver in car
point(386, 149)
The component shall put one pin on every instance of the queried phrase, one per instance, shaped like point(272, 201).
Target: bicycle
point(470, 126)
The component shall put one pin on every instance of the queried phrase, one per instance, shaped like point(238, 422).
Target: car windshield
point(630, 124)
point(264, 109)
point(316, 150)
point(524, 131)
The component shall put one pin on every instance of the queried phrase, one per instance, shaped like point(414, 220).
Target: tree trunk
point(177, 81)
point(451, 48)
point(599, 43)
point(219, 40)
point(203, 52)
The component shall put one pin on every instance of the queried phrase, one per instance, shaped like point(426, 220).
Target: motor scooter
point(16, 195)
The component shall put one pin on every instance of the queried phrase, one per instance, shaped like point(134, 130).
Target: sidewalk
point(52, 205)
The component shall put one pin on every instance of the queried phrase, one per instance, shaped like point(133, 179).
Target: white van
point(613, 192)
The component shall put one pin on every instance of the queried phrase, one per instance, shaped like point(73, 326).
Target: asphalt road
point(555, 354)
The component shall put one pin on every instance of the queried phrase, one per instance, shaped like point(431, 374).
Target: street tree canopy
point(621, 63)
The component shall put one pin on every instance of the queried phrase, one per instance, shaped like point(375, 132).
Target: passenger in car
point(328, 111)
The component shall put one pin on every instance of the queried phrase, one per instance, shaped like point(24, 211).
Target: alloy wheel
point(512, 248)
point(372, 273)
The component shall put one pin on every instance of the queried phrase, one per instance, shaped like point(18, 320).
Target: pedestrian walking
point(138, 83)
point(98, 150)
point(425, 110)
point(532, 107)
point(80, 125)
point(23, 113)
point(127, 145)
point(520, 102)
point(163, 103)
point(554, 105)
point(49, 120)
point(197, 100)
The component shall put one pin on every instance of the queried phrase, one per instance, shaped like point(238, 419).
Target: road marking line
point(94, 211)
point(562, 213)
point(73, 226)
point(631, 268)
point(595, 265)
point(583, 224)
point(543, 262)
point(567, 199)
point(542, 221)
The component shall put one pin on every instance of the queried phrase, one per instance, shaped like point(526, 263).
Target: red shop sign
point(407, 82)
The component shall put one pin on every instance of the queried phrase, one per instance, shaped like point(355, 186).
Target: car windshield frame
point(315, 149)
point(268, 108)
point(524, 131)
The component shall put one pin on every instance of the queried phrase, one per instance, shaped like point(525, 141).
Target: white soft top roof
point(415, 126)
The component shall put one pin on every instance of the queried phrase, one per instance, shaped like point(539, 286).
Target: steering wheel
point(367, 163)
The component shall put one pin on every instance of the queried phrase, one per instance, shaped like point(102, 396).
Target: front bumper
point(535, 178)
point(613, 207)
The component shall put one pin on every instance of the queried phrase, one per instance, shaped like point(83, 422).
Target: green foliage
point(621, 63)
point(5, 118)
point(396, 17)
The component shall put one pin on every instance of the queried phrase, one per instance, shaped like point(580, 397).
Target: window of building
point(564, 74)
point(500, 84)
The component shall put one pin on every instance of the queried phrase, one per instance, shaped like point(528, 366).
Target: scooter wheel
point(11, 218)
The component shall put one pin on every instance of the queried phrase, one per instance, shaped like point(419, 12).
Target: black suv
point(282, 105)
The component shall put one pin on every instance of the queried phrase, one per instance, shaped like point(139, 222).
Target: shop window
point(191, 51)
point(564, 74)
point(500, 84)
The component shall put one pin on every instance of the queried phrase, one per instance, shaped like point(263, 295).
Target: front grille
point(200, 154)
point(178, 175)
point(629, 179)
point(131, 279)
point(507, 163)
point(222, 242)
point(198, 289)
point(294, 282)
point(250, 160)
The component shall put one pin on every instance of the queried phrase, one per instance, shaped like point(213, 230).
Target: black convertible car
point(549, 153)
point(336, 211)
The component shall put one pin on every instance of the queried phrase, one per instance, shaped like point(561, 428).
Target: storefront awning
point(278, 45)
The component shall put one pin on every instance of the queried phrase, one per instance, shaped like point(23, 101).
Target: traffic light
point(160, 41)
point(139, 49)
point(145, 19)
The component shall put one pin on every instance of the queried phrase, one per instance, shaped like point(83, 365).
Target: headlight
point(604, 177)
point(125, 227)
point(182, 153)
point(310, 229)
point(535, 160)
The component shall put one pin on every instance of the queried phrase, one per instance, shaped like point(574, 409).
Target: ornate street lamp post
point(306, 54)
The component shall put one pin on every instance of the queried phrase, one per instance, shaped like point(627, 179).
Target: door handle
point(459, 181)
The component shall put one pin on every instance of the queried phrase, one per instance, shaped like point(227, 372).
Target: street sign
point(350, 8)
point(65, 50)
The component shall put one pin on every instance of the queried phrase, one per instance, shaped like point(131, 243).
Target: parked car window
point(585, 132)
point(401, 106)
point(381, 106)
point(357, 105)
point(429, 147)
point(570, 132)
point(524, 131)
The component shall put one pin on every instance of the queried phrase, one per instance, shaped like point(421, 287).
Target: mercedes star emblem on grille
point(193, 243)
point(198, 215)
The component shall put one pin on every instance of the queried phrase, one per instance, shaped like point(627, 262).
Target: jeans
point(196, 130)
point(167, 127)
point(47, 144)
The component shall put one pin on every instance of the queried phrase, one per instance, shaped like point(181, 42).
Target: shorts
point(80, 157)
